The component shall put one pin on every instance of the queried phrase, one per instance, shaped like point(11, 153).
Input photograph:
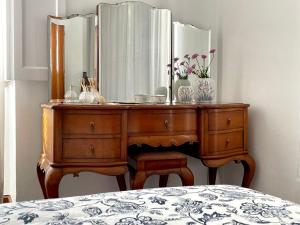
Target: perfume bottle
point(86, 96)
point(71, 95)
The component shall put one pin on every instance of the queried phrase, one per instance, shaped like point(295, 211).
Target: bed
point(219, 204)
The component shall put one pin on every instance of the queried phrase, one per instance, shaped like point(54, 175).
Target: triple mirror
point(124, 49)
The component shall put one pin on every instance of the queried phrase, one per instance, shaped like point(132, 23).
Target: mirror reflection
point(188, 40)
point(123, 52)
point(134, 49)
point(73, 52)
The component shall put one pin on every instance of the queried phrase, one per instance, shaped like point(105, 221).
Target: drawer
point(225, 142)
point(152, 121)
point(91, 148)
point(91, 124)
point(223, 120)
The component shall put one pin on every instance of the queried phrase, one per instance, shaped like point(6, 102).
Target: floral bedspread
point(220, 204)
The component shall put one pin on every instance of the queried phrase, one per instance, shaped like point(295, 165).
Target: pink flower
point(190, 70)
point(212, 51)
point(176, 59)
point(203, 56)
point(195, 56)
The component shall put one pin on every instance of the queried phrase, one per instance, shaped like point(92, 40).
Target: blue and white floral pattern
point(205, 205)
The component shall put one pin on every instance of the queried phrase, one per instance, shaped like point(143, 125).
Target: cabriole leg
point(121, 182)
point(41, 177)
point(52, 180)
point(212, 174)
point(163, 180)
point(249, 170)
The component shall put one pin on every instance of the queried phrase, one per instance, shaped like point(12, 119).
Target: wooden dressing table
point(95, 138)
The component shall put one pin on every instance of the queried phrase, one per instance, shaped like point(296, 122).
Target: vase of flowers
point(204, 86)
point(182, 69)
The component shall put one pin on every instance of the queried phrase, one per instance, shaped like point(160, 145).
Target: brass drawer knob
point(92, 148)
point(227, 141)
point(166, 124)
point(92, 125)
point(229, 121)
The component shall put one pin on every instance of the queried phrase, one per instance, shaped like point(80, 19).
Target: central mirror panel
point(134, 50)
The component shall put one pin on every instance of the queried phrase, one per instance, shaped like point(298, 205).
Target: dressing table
point(125, 49)
point(95, 138)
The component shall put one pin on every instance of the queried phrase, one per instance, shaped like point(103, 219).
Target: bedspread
point(219, 204)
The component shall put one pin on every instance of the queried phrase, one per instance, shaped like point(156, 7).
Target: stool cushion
point(157, 161)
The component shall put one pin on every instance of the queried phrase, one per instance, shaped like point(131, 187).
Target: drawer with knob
point(91, 148)
point(224, 120)
point(151, 122)
point(225, 142)
point(91, 123)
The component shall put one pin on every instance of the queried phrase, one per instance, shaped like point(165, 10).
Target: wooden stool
point(7, 199)
point(143, 165)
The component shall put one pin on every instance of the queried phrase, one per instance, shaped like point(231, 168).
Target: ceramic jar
point(158, 98)
point(178, 84)
point(204, 90)
point(140, 98)
point(185, 94)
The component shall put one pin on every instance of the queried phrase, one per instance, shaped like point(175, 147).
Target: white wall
point(260, 46)
point(30, 95)
point(30, 63)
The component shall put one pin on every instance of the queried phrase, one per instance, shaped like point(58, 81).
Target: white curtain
point(124, 56)
point(3, 75)
point(135, 49)
point(160, 49)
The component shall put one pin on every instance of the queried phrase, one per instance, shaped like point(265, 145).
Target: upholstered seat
point(143, 165)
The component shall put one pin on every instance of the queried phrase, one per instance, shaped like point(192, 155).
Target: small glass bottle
point(71, 95)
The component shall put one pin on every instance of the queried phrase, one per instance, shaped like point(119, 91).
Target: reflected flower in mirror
point(182, 68)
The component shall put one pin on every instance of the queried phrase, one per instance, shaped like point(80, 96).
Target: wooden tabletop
point(62, 105)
